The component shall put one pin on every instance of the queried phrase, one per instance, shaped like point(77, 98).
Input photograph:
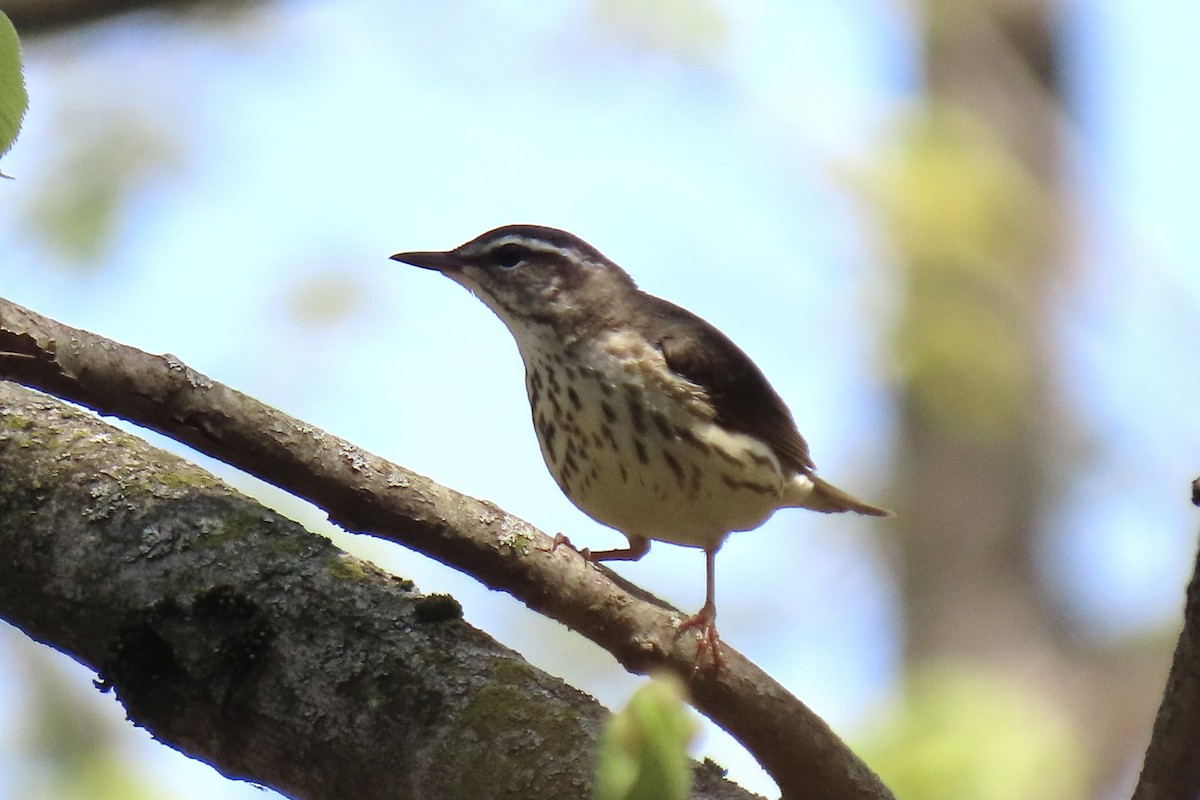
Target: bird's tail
point(809, 491)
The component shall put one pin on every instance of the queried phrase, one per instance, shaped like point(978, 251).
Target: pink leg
point(706, 618)
point(638, 547)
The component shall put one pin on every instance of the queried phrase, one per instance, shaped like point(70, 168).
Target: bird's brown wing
point(740, 394)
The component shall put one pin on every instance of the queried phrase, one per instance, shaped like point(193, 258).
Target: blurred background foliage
point(962, 731)
point(965, 219)
point(957, 236)
point(107, 155)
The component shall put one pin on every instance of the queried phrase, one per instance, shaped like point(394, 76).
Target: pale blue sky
point(313, 139)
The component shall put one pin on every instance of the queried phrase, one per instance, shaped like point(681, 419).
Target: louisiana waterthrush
point(650, 419)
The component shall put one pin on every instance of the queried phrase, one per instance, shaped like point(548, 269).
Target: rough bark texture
point(238, 637)
point(1171, 770)
point(366, 494)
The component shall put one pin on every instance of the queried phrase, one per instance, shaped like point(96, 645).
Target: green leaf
point(13, 97)
point(644, 752)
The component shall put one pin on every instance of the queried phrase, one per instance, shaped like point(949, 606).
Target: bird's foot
point(710, 641)
point(561, 539)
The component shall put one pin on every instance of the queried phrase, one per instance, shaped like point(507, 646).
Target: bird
point(650, 420)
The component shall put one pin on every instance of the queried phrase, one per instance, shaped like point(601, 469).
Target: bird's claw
point(561, 539)
point(709, 641)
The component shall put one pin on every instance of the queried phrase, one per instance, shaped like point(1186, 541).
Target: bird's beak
point(444, 262)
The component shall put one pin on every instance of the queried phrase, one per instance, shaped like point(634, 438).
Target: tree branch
point(366, 494)
point(236, 636)
point(32, 17)
point(1171, 770)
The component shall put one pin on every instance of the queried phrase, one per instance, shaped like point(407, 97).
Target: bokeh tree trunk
point(974, 200)
point(978, 426)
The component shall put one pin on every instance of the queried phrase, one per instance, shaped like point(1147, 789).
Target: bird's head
point(530, 275)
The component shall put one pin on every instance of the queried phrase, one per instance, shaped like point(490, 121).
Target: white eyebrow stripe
point(537, 245)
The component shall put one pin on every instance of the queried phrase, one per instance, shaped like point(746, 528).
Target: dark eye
point(509, 255)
